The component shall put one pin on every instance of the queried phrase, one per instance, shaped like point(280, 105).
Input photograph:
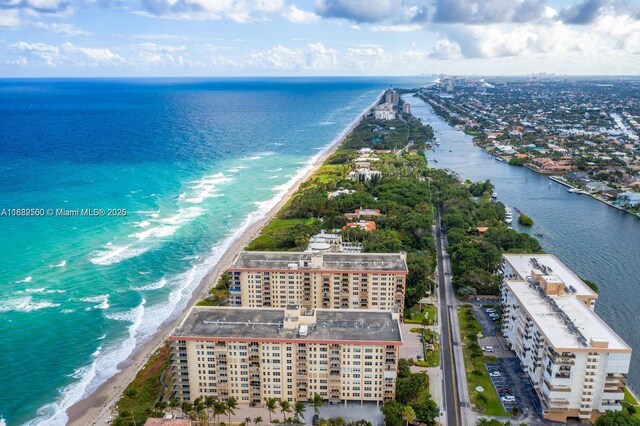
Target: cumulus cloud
point(314, 56)
point(36, 6)
point(46, 53)
point(487, 11)
point(9, 18)
point(299, 16)
point(358, 10)
point(241, 11)
point(445, 49)
point(68, 53)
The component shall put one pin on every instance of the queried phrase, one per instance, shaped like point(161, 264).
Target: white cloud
point(9, 18)
point(20, 61)
point(314, 56)
point(97, 55)
point(64, 29)
point(241, 11)
point(299, 16)
point(48, 54)
point(445, 49)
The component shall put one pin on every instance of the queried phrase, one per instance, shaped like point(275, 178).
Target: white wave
point(24, 280)
point(182, 216)
point(326, 123)
point(25, 304)
point(67, 311)
point(102, 337)
point(255, 157)
point(59, 265)
point(277, 144)
point(275, 170)
point(273, 177)
point(3, 422)
point(101, 300)
point(142, 224)
point(153, 286)
point(41, 290)
point(206, 188)
point(112, 254)
point(157, 232)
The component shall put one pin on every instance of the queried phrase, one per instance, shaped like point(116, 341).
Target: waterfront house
point(629, 199)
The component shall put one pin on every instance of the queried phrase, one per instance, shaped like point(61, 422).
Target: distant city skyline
point(318, 37)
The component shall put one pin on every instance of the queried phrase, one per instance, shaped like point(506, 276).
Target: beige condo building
point(575, 361)
point(287, 354)
point(319, 280)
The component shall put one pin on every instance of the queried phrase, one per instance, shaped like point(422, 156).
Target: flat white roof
point(541, 310)
point(522, 265)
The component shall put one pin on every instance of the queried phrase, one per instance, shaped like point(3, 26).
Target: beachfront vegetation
point(485, 401)
point(139, 400)
point(219, 294)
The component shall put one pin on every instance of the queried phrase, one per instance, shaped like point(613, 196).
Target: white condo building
point(576, 362)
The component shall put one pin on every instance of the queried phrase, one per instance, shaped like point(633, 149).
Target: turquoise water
point(192, 162)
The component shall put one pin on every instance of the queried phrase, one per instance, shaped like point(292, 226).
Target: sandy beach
point(98, 407)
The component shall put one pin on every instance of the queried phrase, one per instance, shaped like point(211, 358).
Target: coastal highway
point(456, 395)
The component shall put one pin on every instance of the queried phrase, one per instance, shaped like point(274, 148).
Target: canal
point(598, 242)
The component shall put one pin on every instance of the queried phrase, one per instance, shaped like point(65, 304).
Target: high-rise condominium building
point(576, 363)
point(287, 354)
point(318, 280)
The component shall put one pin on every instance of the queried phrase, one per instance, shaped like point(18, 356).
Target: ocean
point(137, 187)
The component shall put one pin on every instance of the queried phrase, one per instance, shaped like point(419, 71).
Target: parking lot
point(511, 382)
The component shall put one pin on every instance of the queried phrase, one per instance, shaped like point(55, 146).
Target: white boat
point(573, 190)
point(508, 215)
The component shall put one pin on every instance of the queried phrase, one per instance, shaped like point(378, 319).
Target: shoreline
point(95, 408)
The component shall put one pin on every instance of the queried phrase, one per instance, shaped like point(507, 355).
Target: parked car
point(507, 390)
point(315, 420)
point(508, 398)
point(495, 374)
point(504, 392)
point(488, 348)
point(489, 310)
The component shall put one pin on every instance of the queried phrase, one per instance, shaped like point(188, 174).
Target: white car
point(488, 348)
point(508, 398)
point(490, 310)
point(494, 374)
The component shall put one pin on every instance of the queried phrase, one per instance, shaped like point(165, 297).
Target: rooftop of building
point(523, 264)
point(328, 261)
point(574, 329)
point(268, 323)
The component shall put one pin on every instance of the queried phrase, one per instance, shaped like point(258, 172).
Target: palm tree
point(285, 407)
point(298, 410)
point(316, 403)
point(271, 407)
point(218, 409)
point(186, 407)
point(232, 404)
point(408, 415)
point(208, 402)
point(257, 421)
point(173, 403)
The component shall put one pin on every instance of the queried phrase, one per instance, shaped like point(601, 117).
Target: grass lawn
point(486, 402)
point(629, 400)
point(415, 315)
point(278, 233)
point(329, 173)
point(141, 394)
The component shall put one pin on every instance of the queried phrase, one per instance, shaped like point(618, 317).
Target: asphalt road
point(451, 400)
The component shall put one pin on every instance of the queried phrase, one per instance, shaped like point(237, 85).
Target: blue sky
point(317, 37)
